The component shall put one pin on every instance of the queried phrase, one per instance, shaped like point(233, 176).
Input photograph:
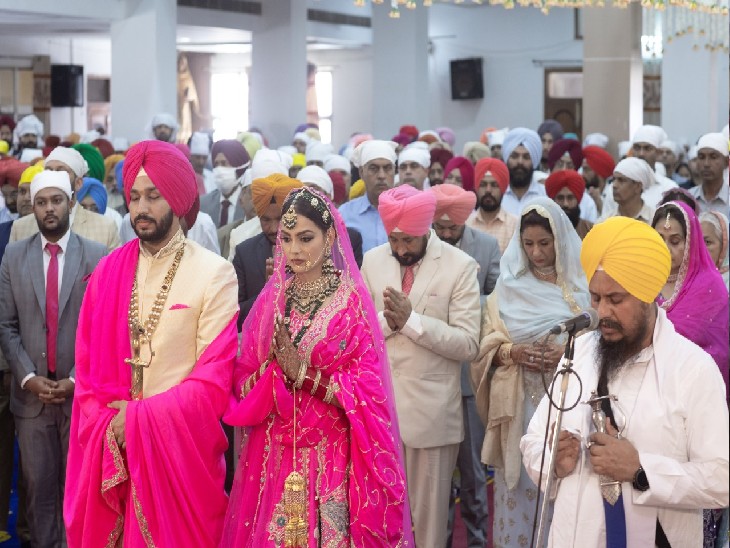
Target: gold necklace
point(142, 332)
point(544, 274)
point(308, 296)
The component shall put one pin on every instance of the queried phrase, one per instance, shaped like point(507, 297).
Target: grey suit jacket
point(250, 264)
point(211, 204)
point(23, 311)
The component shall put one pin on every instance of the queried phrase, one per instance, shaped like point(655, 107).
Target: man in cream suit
point(86, 224)
point(427, 295)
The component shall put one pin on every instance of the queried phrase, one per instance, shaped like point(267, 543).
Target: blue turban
point(552, 127)
point(527, 138)
point(118, 178)
point(93, 187)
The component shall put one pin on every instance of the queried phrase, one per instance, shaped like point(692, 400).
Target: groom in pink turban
point(155, 345)
point(427, 297)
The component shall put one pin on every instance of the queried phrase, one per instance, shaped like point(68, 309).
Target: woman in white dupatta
point(541, 283)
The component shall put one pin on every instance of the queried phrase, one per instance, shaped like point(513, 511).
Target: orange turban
point(629, 251)
point(496, 168)
point(453, 202)
point(558, 180)
point(271, 190)
point(407, 209)
point(599, 161)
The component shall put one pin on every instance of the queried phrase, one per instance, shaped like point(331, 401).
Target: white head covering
point(416, 152)
point(623, 148)
point(90, 136)
point(120, 144)
point(268, 155)
point(50, 179)
point(596, 139)
point(671, 145)
point(247, 178)
point(315, 175)
point(496, 137)
point(30, 154)
point(431, 133)
point(715, 141)
point(654, 135)
point(200, 144)
point(264, 168)
point(72, 158)
point(372, 150)
point(318, 151)
point(29, 124)
point(164, 119)
point(301, 136)
point(288, 149)
point(692, 154)
point(636, 169)
point(335, 161)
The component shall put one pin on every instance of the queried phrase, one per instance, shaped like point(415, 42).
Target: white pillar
point(613, 100)
point(144, 66)
point(400, 70)
point(278, 79)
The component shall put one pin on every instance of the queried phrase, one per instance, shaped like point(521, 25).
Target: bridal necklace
point(544, 274)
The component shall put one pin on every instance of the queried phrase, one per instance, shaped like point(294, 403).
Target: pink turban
point(465, 167)
point(496, 168)
point(453, 202)
point(169, 171)
point(407, 209)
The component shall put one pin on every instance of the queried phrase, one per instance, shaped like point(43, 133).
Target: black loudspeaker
point(67, 86)
point(466, 79)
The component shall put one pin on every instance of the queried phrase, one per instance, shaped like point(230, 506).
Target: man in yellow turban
point(661, 461)
point(252, 258)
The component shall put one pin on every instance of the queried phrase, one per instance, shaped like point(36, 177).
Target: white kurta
point(679, 425)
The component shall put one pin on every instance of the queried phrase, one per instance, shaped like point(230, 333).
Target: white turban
point(301, 136)
point(692, 154)
point(318, 151)
point(430, 133)
point(372, 150)
point(90, 136)
point(200, 144)
point(315, 175)
point(496, 138)
point(30, 154)
point(671, 145)
point(636, 170)
point(416, 153)
point(164, 119)
point(70, 157)
point(715, 141)
point(596, 139)
point(247, 178)
point(654, 135)
point(623, 148)
point(273, 156)
point(120, 144)
point(288, 149)
point(264, 168)
point(29, 125)
point(335, 161)
point(50, 179)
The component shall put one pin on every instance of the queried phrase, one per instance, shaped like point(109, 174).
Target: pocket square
point(179, 306)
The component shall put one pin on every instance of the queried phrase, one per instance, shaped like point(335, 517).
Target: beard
point(573, 213)
point(162, 227)
point(409, 259)
point(489, 203)
point(520, 177)
point(612, 355)
point(58, 226)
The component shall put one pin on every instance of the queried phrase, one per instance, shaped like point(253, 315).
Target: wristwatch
point(641, 482)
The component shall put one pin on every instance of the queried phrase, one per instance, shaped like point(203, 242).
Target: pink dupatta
point(170, 477)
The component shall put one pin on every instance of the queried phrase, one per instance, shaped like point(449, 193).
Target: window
point(229, 104)
point(323, 85)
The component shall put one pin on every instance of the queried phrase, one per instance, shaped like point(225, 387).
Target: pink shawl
point(170, 477)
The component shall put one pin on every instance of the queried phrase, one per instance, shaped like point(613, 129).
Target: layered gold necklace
point(305, 296)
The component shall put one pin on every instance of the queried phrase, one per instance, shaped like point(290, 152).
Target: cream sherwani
point(671, 402)
point(425, 359)
point(202, 301)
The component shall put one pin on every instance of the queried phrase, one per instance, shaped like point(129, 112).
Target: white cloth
point(268, 155)
point(636, 169)
point(50, 179)
point(335, 161)
point(372, 150)
point(200, 144)
point(248, 229)
point(513, 205)
point(209, 180)
point(120, 144)
point(715, 141)
point(30, 154)
point(653, 195)
point(317, 151)
point(113, 214)
point(671, 145)
point(588, 209)
point(28, 125)
point(654, 135)
point(496, 137)
point(623, 148)
point(416, 153)
point(317, 176)
point(70, 157)
point(596, 139)
point(163, 119)
point(90, 136)
point(678, 424)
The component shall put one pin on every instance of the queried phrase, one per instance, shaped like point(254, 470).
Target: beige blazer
point(426, 363)
point(86, 224)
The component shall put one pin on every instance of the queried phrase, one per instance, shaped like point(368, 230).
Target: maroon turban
point(338, 184)
point(496, 167)
point(11, 170)
point(411, 131)
point(233, 151)
point(441, 156)
point(7, 121)
point(402, 139)
point(599, 161)
point(52, 141)
point(104, 146)
point(572, 147)
point(466, 169)
point(565, 178)
point(407, 209)
point(169, 171)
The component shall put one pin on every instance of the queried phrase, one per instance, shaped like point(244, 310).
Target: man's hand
point(616, 458)
point(397, 308)
point(119, 422)
point(63, 391)
point(568, 452)
point(42, 387)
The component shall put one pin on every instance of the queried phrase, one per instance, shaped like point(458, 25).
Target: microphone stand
point(565, 372)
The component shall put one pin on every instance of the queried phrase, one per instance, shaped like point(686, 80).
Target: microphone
point(588, 319)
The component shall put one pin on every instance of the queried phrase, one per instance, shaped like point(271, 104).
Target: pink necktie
point(52, 306)
point(407, 282)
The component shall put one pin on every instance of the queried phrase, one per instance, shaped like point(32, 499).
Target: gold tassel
point(295, 508)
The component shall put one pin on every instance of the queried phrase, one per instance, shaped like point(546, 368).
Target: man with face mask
point(230, 161)
point(199, 152)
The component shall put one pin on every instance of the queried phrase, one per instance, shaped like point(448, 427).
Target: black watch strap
point(641, 482)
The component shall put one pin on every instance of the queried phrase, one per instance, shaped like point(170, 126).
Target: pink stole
point(172, 470)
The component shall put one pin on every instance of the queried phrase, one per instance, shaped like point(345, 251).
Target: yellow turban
point(272, 189)
point(27, 176)
point(357, 189)
point(629, 251)
point(109, 163)
point(299, 159)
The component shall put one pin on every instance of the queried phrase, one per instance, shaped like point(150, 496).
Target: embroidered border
point(116, 533)
point(142, 520)
point(121, 472)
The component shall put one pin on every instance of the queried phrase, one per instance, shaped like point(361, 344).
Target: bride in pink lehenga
point(321, 460)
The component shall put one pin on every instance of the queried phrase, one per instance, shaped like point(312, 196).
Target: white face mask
point(225, 179)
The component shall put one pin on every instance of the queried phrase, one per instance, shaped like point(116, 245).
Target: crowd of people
point(225, 343)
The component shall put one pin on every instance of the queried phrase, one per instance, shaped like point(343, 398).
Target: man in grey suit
point(230, 161)
point(453, 207)
point(42, 284)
